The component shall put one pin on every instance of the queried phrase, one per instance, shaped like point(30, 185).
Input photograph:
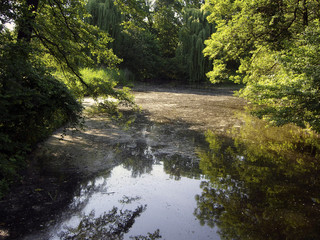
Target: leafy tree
point(194, 31)
point(163, 39)
point(49, 34)
point(272, 46)
point(133, 41)
point(261, 184)
point(32, 105)
point(166, 25)
point(107, 16)
point(141, 53)
point(137, 13)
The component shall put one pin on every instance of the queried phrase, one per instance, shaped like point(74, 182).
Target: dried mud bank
point(172, 120)
point(213, 109)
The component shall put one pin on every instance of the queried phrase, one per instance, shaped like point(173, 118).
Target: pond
point(169, 182)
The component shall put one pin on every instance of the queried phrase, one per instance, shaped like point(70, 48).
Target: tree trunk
point(305, 14)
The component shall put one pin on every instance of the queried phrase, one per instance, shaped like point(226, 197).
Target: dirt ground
point(212, 109)
point(58, 166)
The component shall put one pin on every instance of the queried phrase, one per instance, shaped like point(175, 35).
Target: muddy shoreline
point(57, 167)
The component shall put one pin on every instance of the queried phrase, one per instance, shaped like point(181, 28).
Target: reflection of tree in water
point(138, 158)
point(180, 166)
point(265, 186)
point(141, 160)
point(88, 188)
point(111, 225)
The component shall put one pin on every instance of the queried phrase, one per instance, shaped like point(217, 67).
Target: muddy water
point(186, 168)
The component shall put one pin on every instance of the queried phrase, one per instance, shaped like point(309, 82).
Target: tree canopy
point(194, 31)
point(155, 38)
point(272, 47)
point(49, 36)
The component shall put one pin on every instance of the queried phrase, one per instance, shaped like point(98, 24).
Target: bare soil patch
point(202, 109)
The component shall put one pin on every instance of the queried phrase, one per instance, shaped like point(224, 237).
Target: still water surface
point(169, 203)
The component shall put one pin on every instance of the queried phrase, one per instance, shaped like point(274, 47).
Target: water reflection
point(140, 158)
point(172, 145)
point(178, 167)
point(262, 184)
point(111, 225)
point(117, 205)
point(170, 204)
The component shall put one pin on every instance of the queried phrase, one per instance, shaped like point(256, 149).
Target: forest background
point(63, 50)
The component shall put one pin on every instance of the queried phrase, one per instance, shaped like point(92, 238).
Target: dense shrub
point(101, 83)
point(32, 104)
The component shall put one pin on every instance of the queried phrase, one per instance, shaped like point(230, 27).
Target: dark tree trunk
point(305, 14)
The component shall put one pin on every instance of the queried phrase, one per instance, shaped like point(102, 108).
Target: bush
point(32, 104)
point(101, 83)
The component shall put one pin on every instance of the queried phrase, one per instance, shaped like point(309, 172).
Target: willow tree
point(194, 31)
point(129, 23)
point(107, 16)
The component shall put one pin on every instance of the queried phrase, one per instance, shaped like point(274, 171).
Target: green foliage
point(66, 41)
point(133, 41)
point(141, 53)
point(100, 84)
point(137, 13)
point(262, 183)
point(107, 16)
point(167, 25)
point(33, 104)
point(161, 39)
point(49, 35)
point(292, 93)
point(272, 46)
point(194, 31)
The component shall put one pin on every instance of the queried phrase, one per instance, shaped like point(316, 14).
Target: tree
point(152, 31)
point(69, 40)
point(49, 34)
point(107, 17)
point(166, 25)
point(129, 23)
point(269, 45)
point(194, 31)
point(137, 13)
point(111, 225)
